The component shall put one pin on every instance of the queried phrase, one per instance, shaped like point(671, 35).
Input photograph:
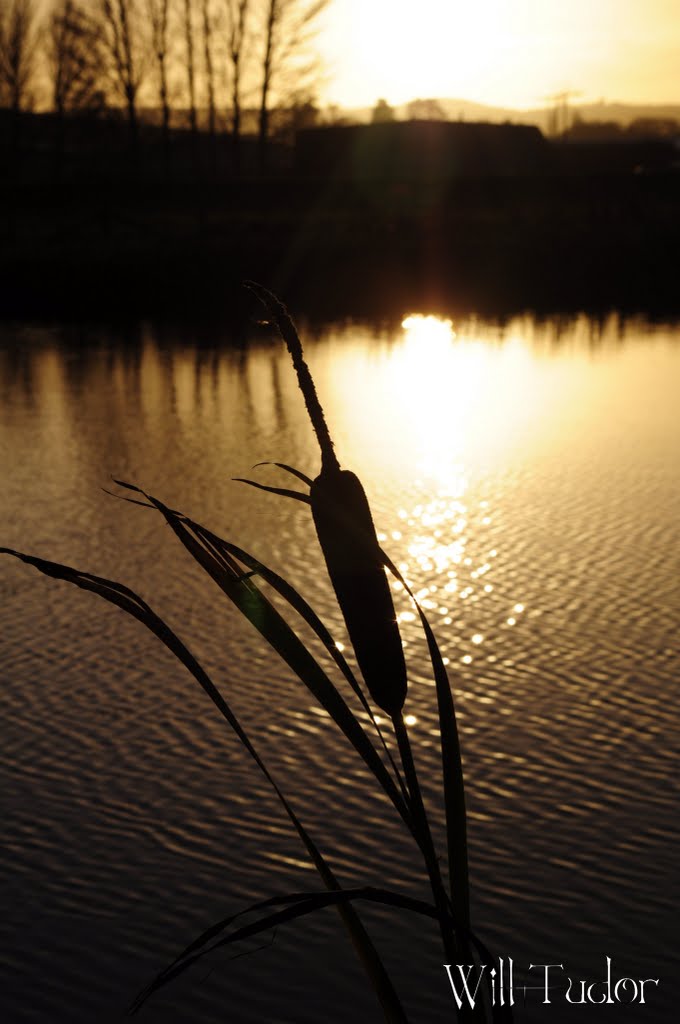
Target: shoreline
point(497, 249)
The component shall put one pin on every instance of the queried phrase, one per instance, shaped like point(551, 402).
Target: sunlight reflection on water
point(523, 478)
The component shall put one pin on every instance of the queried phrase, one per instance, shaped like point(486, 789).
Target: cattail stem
point(286, 328)
point(456, 944)
point(422, 827)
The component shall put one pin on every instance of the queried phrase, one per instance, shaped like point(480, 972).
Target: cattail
point(346, 532)
point(345, 529)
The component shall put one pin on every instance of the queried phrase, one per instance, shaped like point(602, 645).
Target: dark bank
point(345, 220)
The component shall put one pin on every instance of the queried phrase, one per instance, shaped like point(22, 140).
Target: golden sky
point(503, 52)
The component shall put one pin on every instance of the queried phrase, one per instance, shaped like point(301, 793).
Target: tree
point(237, 21)
point(333, 114)
point(190, 64)
point(426, 110)
point(74, 59)
point(74, 62)
point(18, 46)
point(382, 112)
point(124, 43)
point(159, 17)
point(289, 26)
point(208, 42)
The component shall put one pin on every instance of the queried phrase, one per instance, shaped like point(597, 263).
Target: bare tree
point(125, 45)
point(208, 44)
point(159, 20)
point(190, 64)
point(74, 62)
point(74, 59)
point(289, 27)
point(237, 21)
point(18, 46)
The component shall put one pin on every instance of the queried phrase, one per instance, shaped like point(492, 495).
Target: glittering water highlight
point(523, 478)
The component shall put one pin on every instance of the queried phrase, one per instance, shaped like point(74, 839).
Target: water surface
point(524, 478)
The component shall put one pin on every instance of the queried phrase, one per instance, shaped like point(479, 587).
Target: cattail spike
point(346, 532)
point(345, 529)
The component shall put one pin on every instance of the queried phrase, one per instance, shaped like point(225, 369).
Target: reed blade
point(294, 906)
point(284, 492)
point(452, 771)
point(289, 469)
point(213, 556)
point(127, 600)
point(452, 767)
point(307, 613)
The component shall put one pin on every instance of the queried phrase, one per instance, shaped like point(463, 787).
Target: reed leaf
point(452, 771)
point(452, 768)
point(127, 600)
point(213, 556)
point(293, 598)
point(289, 469)
point(294, 906)
point(284, 492)
point(298, 603)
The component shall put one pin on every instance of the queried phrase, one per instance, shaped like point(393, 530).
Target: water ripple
point(538, 524)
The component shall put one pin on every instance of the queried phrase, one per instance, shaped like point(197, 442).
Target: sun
point(444, 44)
point(401, 50)
point(506, 53)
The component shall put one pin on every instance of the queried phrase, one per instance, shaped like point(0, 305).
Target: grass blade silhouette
point(213, 556)
point(128, 601)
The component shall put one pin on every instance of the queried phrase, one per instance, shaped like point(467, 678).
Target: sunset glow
point(503, 52)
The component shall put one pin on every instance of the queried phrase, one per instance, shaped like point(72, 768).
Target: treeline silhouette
point(146, 160)
point(123, 72)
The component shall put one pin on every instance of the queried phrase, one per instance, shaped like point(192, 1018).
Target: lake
point(524, 477)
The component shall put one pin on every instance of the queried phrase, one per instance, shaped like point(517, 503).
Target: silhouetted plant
point(357, 567)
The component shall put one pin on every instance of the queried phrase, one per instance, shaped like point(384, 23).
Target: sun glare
point(402, 51)
point(428, 329)
point(455, 401)
point(438, 383)
point(508, 53)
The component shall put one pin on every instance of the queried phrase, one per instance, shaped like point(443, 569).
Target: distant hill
point(468, 110)
point(619, 113)
point(450, 109)
point(624, 113)
point(453, 110)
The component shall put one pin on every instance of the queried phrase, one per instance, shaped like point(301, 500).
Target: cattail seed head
point(344, 525)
